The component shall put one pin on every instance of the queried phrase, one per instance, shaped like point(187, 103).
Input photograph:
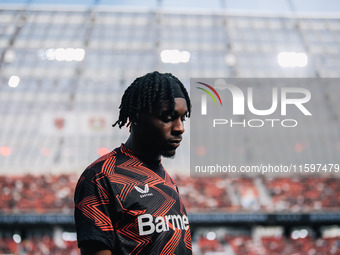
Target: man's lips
point(175, 142)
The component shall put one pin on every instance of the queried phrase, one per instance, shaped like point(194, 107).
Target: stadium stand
point(37, 245)
point(236, 245)
point(54, 112)
point(54, 194)
point(37, 194)
point(308, 194)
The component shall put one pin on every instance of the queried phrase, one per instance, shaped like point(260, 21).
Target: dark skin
point(153, 136)
point(158, 134)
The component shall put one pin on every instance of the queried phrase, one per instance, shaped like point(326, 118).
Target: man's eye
point(171, 117)
point(166, 118)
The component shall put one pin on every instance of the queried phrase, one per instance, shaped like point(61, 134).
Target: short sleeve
point(94, 209)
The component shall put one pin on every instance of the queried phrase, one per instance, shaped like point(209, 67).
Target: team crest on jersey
point(145, 192)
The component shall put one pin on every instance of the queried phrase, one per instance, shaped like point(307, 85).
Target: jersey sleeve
point(94, 209)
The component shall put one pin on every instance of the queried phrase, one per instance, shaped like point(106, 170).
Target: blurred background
point(63, 68)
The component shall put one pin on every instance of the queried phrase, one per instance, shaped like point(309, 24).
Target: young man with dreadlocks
point(125, 202)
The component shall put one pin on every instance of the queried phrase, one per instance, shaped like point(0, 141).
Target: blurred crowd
point(37, 245)
point(37, 193)
point(227, 244)
point(246, 245)
point(54, 193)
point(260, 194)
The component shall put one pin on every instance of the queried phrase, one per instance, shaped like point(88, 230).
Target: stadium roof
point(277, 6)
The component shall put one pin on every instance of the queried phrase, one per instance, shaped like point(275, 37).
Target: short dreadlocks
point(147, 94)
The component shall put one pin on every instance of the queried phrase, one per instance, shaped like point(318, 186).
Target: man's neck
point(141, 151)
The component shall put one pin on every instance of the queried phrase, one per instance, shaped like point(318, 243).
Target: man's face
point(161, 133)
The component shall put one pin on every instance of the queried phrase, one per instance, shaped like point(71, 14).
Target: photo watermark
point(249, 127)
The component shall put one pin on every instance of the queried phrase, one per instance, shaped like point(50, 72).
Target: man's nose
point(178, 126)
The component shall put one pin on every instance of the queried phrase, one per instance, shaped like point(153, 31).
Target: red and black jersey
point(131, 206)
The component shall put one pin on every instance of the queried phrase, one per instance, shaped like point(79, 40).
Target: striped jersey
point(131, 206)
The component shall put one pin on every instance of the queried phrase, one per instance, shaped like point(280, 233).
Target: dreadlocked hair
point(147, 94)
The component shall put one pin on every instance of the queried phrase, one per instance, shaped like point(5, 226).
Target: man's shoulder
point(111, 156)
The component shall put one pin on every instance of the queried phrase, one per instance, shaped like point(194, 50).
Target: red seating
point(38, 245)
point(54, 194)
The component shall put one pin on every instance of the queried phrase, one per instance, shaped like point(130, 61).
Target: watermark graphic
point(263, 122)
point(204, 97)
point(239, 98)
